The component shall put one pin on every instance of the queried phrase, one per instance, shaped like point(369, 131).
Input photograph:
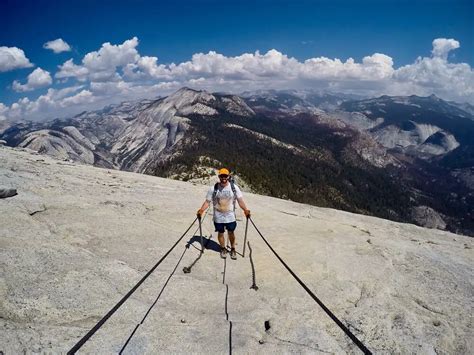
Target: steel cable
point(341, 325)
point(101, 322)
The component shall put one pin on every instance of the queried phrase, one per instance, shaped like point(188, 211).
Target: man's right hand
point(199, 213)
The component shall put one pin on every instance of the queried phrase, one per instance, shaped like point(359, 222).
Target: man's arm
point(243, 206)
point(204, 206)
point(206, 203)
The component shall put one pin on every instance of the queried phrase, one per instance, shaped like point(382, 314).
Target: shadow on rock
point(208, 243)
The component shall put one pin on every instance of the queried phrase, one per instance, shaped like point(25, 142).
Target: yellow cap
point(223, 171)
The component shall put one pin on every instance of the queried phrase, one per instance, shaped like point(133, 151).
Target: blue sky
point(173, 31)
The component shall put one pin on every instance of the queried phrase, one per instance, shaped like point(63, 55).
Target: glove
point(199, 213)
point(247, 213)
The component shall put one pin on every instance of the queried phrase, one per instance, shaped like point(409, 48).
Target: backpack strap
point(214, 194)
point(232, 186)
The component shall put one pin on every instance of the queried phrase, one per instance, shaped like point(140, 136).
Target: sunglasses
point(223, 176)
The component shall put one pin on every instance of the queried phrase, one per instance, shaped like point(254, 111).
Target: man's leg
point(233, 254)
point(230, 231)
point(221, 239)
point(231, 239)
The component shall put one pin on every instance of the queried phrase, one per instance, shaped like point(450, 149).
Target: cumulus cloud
point(428, 75)
point(101, 65)
point(13, 58)
point(57, 46)
point(70, 70)
point(83, 97)
point(373, 68)
point(442, 46)
point(38, 78)
point(247, 66)
point(112, 56)
point(117, 72)
point(149, 65)
point(272, 68)
point(55, 103)
point(3, 112)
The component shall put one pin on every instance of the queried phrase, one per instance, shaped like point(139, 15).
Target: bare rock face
point(237, 106)
point(357, 120)
point(128, 136)
point(78, 238)
point(424, 139)
point(155, 129)
point(428, 217)
point(65, 145)
point(155, 132)
point(371, 151)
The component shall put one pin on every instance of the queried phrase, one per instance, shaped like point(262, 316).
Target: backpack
point(232, 186)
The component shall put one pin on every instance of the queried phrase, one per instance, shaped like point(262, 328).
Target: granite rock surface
point(76, 239)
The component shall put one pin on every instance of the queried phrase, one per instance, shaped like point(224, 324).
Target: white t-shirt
point(224, 202)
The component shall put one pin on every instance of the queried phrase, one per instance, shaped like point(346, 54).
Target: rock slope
point(76, 238)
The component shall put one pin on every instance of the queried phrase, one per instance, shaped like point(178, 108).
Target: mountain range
point(406, 159)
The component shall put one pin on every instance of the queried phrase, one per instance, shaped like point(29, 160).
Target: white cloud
point(38, 78)
point(115, 73)
point(149, 65)
point(70, 70)
point(244, 67)
point(442, 46)
point(3, 112)
point(112, 56)
point(13, 58)
point(57, 46)
point(102, 65)
point(109, 88)
point(53, 104)
point(83, 97)
point(428, 75)
point(373, 68)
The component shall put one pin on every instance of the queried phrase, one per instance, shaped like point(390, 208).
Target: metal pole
point(245, 238)
point(200, 232)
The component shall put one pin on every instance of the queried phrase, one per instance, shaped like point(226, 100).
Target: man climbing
point(223, 196)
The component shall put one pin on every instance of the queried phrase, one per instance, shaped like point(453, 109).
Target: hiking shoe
point(223, 253)
point(233, 254)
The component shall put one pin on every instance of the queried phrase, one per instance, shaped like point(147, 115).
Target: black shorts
point(229, 226)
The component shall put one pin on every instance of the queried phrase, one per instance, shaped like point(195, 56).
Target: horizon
point(368, 49)
point(241, 95)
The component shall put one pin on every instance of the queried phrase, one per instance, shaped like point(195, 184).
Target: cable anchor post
point(200, 233)
point(245, 238)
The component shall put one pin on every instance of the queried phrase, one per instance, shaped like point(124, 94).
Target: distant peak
point(186, 89)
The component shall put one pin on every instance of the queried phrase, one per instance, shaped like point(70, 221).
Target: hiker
point(223, 196)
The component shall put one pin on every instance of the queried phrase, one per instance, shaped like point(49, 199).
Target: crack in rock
point(301, 344)
point(425, 306)
point(38, 211)
point(289, 213)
